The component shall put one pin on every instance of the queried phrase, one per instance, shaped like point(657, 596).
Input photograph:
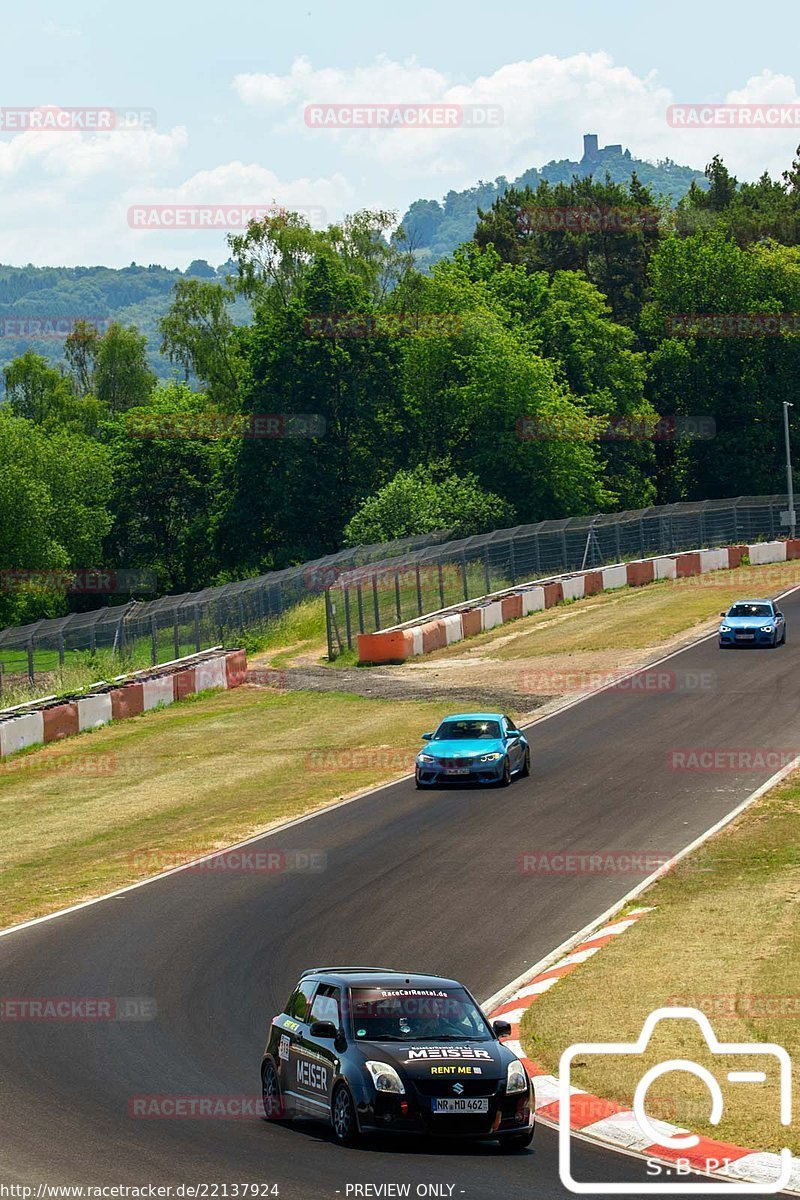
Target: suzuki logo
point(458, 1088)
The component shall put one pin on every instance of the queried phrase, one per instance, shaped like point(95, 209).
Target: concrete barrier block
point(687, 564)
point(235, 668)
point(157, 691)
point(614, 577)
point(767, 552)
point(665, 568)
point(384, 647)
point(713, 560)
point(21, 732)
point(471, 622)
point(94, 711)
point(210, 673)
point(183, 682)
point(532, 600)
point(127, 701)
point(452, 629)
point(553, 593)
point(640, 573)
point(491, 615)
point(433, 636)
point(792, 548)
point(573, 587)
point(592, 583)
point(735, 556)
point(60, 721)
point(416, 640)
point(512, 607)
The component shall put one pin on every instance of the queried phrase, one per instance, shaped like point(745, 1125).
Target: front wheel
point(505, 778)
point(512, 1143)
point(526, 763)
point(343, 1116)
point(271, 1093)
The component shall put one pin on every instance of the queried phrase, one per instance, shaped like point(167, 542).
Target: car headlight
point(385, 1078)
point(490, 757)
point(724, 628)
point(767, 629)
point(425, 758)
point(517, 1078)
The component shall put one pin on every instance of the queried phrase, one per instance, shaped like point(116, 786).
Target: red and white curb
point(610, 1123)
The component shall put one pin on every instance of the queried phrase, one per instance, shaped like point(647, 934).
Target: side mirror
point(426, 737)
point(723, 614)
point(513, 733)
point(323, 1029)
point(777, 613)
point(501, 1028)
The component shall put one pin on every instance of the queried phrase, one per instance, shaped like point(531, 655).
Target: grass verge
point(102, 810)
point(724, 938)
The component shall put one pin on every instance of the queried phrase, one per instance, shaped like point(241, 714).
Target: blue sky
point(229, 84)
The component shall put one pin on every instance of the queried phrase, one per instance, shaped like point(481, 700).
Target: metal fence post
point(512, 564)
point(397, 605)
point(419, 590)
point(153, 640)
point(346, 593)
point(196, 629)
point(61, 648)
point(360, 598)
point(177, 637)
point(486, 569)
point(375, 601)
point(464, 573)
point(30, 659)
point(328, 627)
point(441, 584)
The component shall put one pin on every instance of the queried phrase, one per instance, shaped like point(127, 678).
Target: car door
point(291, 1024)
point(514, 744)
point(316, 1060)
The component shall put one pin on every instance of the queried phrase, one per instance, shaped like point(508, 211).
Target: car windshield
point(416, 1014)
point(452, 731)
point(750, 610)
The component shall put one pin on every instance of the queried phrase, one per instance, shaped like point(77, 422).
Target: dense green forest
point(530, 374)
point(435, 229)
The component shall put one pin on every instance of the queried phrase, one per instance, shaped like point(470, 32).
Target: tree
point(122, 379)
point(198, 332)
point(428, 498)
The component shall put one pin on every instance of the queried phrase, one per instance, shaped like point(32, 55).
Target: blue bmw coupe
point(473, 747)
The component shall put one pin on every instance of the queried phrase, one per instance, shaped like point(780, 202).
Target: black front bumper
point(413, 1113)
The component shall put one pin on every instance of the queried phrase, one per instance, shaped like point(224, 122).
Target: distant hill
point(435, 229)
point(57, 296)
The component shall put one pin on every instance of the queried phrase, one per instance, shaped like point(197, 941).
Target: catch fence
point(381, 595)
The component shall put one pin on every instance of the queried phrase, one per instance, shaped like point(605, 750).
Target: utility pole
point(789, 483)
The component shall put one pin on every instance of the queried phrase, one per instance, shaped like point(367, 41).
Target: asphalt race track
point(428, 881)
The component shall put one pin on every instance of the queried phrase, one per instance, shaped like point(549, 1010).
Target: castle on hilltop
point(592, 153)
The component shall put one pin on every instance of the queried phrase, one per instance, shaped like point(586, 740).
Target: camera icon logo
point(658, 1135)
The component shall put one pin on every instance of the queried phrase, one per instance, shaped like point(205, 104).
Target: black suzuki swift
point(371, 1049)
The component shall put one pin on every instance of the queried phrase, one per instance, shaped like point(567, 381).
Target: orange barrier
point(512, 607)
point(235, 668)
point(127, 701)
point(60, 721)
point(687, 564)
point(434, 636)
point(793, 548)
point(553, 594)
point(735, 555)
point(592, 583)
point(396, 645)
point(183, 683)
point(471, 622)
point(640, 573)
